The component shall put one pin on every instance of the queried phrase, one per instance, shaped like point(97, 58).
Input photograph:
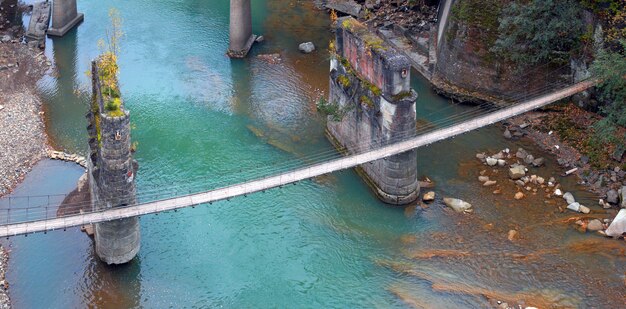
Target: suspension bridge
point(14, 224)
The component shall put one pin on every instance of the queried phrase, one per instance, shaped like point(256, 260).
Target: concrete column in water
point(64, 17)
point(112, 180)
point(241, 37)
point(374, 106)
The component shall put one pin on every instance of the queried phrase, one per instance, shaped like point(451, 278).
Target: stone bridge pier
point(112, 173)
point(371, 104)
point(64, 17)
point(241, 37)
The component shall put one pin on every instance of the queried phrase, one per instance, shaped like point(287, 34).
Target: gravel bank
point(5, 302)
point(22, 132)
point(22, 138)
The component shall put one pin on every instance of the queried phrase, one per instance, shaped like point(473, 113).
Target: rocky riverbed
point(22, 136)
point(5, 301)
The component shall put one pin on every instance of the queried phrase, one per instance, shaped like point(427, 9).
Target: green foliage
point(539, 31)
point(480, 15)
point(113, 107)
point(367, 101)
point(344, 81)
point(330, 109)
point(610, 68)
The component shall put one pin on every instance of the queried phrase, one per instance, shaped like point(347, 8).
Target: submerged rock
point(457, 204)
point(512, 235)
point(517, 172)
point(618, 226)
point(429, 196)
point(595, 225)
point(489, 183)
point(539, 162)
point(519, 195)
point(507, 134)
point(521, 153)
point(483, 178)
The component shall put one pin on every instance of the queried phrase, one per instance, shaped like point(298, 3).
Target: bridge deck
point(289, 177)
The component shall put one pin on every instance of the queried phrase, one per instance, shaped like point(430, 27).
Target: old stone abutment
point(64, 17)
point(371, 104)
point(111, 171)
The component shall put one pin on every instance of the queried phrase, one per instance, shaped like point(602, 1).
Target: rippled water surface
point(201, 118)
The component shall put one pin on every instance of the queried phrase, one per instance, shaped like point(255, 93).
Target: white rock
point(558, 192)
point(618, 226)
point(501, 163)
point(569, 198)
point(307, 47)
point(574, 206)
point(429, 196)
point(595, 225)
point(492, 161)
point(456, 204)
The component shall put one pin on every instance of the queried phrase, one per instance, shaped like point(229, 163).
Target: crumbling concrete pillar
point(241, 37)
point(373, 105)
point(112, 179)
point(64, 17)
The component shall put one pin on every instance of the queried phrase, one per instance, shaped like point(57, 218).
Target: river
point(323, 243)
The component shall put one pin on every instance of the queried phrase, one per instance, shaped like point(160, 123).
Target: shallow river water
point(200, 117)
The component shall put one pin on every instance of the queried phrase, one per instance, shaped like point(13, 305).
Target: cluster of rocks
point(600, 181)
point(5, 302)
point(414, 16)
point(307, 47)
point(59, 155)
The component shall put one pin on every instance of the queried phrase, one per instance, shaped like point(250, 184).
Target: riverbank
point(566, 131)
point(23, 140)
point(5, 301)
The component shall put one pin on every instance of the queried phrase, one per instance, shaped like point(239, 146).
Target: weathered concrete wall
point(370, 84)
point(241, 37)
point(64, 17)
point(112, 180)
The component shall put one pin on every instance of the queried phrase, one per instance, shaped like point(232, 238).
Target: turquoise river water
point(322, 243)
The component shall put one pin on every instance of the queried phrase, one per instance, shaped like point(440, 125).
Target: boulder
point(539, 162)
point(6, 38)
point(519, 195)
point(517, 172)
point(483, 178)
point(612, 197)
point(491, 161)
point(501, 163)
point(595, 225)
point(569, 198)
point(529, 159)
point(578, 208)
point(512, 235)
point(480, 156)
point(618, 227)
point(521, 153)
point(558, 192)
point(623, 197)
point(540, 180)
point(429, 196)
point(457, 204)
point(307, 47)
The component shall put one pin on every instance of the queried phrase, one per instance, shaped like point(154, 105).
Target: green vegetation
point(479, 15)
point(610, 68)
point(330, 109)
point(372, 41)
point(108, 67)
point(367, 101)
point(539, 31)
point(344, 81)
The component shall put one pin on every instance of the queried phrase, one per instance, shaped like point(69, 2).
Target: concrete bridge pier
point(374, 106)
point(112, 173)
point(241, 37)
point(64, 17)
